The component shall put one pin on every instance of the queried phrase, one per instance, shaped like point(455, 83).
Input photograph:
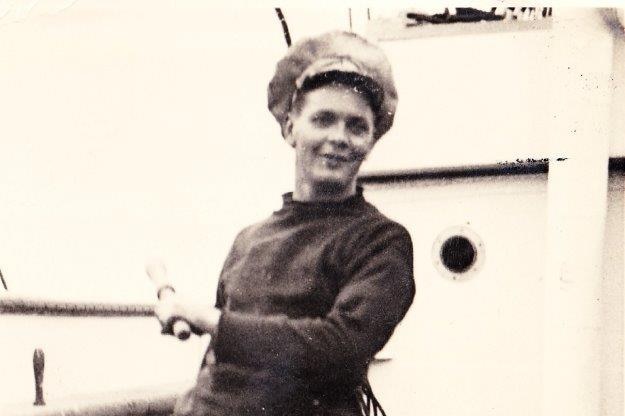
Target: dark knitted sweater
point(308, 296)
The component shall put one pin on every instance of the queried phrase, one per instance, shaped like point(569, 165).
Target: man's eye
point(324, 119)
point(358, 127)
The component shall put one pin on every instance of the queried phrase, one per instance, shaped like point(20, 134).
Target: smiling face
point(331, 129)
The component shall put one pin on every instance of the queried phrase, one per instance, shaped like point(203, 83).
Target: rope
point(4, 283)
point(368, 401)
point(25, 306)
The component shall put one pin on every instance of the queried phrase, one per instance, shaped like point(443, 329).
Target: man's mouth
point(336, 158)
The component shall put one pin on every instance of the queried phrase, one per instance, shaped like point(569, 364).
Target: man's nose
point(339, 135)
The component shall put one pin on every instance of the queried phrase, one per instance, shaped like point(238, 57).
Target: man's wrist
point(206, 320)
point(215, 322)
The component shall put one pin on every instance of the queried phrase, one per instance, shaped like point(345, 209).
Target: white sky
point(135, 129)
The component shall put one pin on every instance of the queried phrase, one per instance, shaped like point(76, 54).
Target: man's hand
point(201, 318)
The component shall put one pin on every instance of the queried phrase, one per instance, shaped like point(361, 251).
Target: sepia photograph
point(240, 209)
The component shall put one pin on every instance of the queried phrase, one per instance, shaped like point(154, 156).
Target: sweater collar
point(351, 202)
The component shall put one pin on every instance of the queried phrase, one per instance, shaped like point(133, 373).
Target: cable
point(285, 27)
point(4, 283)
point(349, 12)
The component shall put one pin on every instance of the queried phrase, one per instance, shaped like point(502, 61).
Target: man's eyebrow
point(359, 118)
point(322, 112)
point(335, 111)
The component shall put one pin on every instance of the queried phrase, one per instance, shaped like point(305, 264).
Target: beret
point(335, 56)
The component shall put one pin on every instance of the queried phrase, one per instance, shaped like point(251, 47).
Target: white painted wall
point(612, 290)
point(469, 347)
point(492, 97)
point(476, 346)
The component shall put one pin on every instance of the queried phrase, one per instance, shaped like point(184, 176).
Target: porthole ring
point(458, 253)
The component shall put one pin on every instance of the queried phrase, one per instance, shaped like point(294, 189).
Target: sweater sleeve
point(377, 292)
point(220, 298)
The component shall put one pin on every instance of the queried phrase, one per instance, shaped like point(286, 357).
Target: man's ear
point(288, 131)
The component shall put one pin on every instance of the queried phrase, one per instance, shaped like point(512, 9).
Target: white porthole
point(458, 253)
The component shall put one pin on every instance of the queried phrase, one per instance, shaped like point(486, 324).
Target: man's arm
point(374, 299)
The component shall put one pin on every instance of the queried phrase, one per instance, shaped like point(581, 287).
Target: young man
point(307, 297)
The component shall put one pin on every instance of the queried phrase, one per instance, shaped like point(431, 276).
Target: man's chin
point(339, 175)
point(332, 185)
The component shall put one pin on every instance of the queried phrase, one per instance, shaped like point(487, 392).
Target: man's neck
point(304, 192)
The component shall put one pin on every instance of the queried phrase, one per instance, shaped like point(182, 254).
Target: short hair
point(361, 84)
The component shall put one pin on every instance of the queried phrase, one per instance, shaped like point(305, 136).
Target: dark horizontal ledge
point(27, 306)
point(517, 167)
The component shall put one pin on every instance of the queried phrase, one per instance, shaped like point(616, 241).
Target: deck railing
point(156, 402)
point(34, 306)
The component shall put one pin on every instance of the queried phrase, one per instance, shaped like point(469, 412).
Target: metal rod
point(38, 367)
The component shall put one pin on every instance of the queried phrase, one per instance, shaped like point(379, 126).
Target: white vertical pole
point(577, 190)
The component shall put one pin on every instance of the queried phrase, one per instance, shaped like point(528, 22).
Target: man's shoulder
point(254, 228)
point(372, 226)
point(374, 217)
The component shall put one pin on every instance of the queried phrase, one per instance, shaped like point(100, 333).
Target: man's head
point(334, 97)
